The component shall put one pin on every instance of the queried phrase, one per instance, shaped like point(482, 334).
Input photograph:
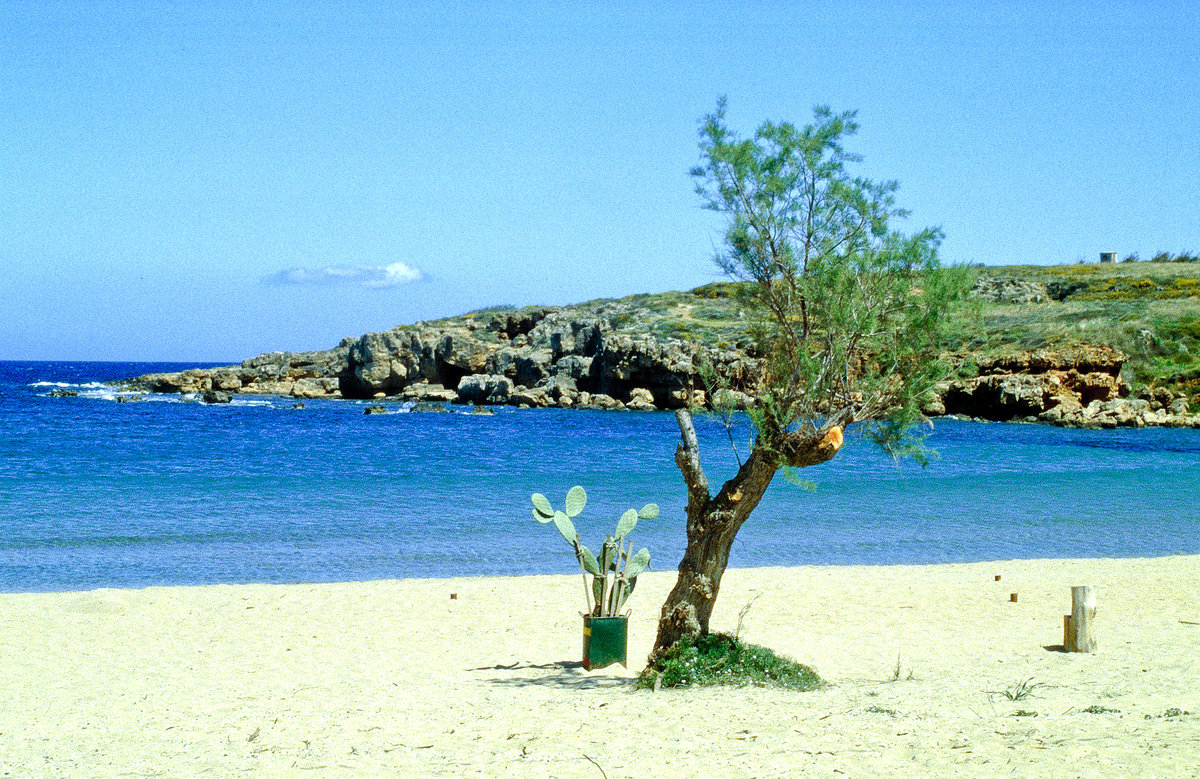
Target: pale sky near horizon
point(208, 181)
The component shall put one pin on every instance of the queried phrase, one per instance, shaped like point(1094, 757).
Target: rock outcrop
point(571, 358)
point(301, 375)
point(537, 357)
point(1079, 387)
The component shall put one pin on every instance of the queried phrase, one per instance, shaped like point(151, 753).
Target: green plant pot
point(605, 641)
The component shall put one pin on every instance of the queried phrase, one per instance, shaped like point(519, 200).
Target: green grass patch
point(717, 290)
point(722, 659)
point(1096, 708)
point(1018, 691)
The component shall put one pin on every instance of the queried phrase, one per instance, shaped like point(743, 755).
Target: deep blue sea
point(95, 493)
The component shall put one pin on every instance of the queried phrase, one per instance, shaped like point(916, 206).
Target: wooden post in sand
point(1077, 626)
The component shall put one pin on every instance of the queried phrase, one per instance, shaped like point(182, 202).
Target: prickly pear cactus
point(614, 573)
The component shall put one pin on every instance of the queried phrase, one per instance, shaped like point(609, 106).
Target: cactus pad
point(610, 586)
point(564, 525)
point(627, 523)
point(543, 506)
point(588, 560)
point(576, 500)
point(638, 563)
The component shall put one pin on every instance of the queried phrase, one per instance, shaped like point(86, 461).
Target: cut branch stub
point(687, 457)
point(801, 450)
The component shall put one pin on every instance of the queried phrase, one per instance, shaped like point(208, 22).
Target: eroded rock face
point(381, 362)
point(640, 399)
point(315, 387)
point(600, 401)
point(1006, 396)
point(626, 364)
point(307, 374)
point(514, 324)
point(1080, 387)
point(184, 382)
point(526, 367)
point(563, 335)
point(533, 397)
point(545, 357)
point(1058, 384)
point(535, 357)
point(1083, 359)
point(460, 352)
point(484, 389)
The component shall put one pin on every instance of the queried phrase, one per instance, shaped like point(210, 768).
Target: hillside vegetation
point(1149, 310)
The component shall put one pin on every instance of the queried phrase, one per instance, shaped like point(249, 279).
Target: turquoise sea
point(95, 493)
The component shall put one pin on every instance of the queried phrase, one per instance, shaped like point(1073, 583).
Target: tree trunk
point(713, 522)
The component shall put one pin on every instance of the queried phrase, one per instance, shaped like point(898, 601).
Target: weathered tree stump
point(1077, 626)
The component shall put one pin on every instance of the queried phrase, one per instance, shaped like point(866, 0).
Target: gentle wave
point(69, 385)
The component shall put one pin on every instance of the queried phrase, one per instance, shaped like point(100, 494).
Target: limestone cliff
point(1072, 387)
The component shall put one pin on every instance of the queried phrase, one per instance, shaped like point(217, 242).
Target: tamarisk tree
point(845, 313)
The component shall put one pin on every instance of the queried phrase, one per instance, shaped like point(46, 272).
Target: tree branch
point(804, 448)
point(687, 457)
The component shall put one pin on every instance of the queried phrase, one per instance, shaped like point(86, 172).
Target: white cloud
point(348, 276)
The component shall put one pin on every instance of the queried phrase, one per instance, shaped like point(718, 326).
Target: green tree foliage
point(846, 312)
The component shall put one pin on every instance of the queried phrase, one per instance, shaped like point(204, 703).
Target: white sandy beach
point(396, 678)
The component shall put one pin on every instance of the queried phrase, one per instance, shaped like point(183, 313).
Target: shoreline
point(361, 678)
point(548, 576)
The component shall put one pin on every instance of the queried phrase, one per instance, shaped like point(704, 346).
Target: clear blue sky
point(207, 181)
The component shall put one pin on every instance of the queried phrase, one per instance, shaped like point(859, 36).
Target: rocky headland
point(645, 353)
point(536, 357)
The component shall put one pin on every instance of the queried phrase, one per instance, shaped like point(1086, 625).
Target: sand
point(397, 678)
